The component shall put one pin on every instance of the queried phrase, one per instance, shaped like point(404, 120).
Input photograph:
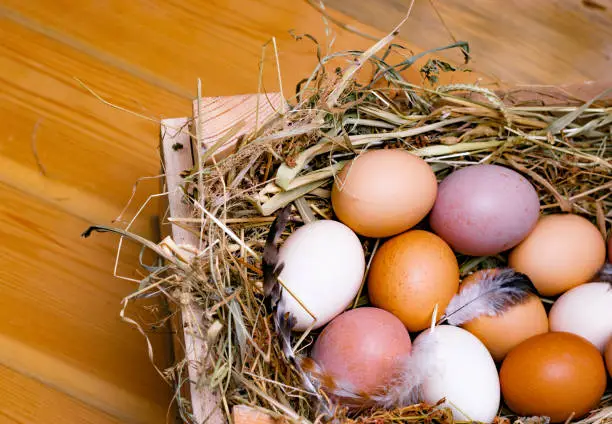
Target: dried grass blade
point(230, 133)
point(286, 174)
point(349, 74)
point(560, 124)
point(282, 199)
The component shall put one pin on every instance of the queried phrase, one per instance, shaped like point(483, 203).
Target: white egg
point(585, 310)
point(324, 267)
point(464, 374)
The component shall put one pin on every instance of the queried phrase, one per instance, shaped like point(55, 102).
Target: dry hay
point(562, 145)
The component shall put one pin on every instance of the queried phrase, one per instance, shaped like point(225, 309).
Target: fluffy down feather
point(491, 295)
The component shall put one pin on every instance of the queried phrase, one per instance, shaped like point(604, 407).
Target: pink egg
point(361, 347)
point(484, 209)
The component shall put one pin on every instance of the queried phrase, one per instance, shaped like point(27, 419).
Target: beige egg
point(382, 193)
point(562, 251)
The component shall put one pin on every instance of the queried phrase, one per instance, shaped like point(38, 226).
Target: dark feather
point(270, 267)
point(491, 295)
point(605, 274)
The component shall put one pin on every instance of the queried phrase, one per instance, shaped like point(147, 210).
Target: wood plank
point(519, 41)
point(24, 400)
point(224, 52)
point(59, 312)
point(213, 118)
point(108, 149)
point(205, 403)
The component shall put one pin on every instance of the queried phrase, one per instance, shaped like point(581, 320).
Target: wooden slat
point(59, 312)
point(24, 400)
point(215, 117)
point(205, 403)
point(228, 111)
point(219, 41)
point(114, 148)
point(522, 41)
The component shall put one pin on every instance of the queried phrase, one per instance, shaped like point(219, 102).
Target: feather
point(491, 295)
point(605, 274)
point(406, 387)
point(270, 267)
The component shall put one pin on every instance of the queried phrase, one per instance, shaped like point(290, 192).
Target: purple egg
point(484, 209)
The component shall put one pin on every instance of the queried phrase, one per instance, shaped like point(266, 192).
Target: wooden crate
point(178, 148)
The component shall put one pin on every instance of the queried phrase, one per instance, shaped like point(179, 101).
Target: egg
point(382, 193)
point(608, 356)
point(464, 374)
point(324, 265)
point(503, 332)
point(561, 252)
point(553, 374)
point(362, 347)
point(585, 310)
point(484, 209)
point(410, 274)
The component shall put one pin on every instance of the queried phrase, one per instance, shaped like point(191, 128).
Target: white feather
point(406, 387)
point(490, 296)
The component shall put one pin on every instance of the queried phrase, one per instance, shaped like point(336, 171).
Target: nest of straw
point(560, 144)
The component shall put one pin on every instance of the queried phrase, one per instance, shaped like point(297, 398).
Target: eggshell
point(384, 192)
point(361, 347)
point(503, 332)
point(585, 310)
point(562, 251)
point(324, 267)
point(465, 375)
point(410, 274)
point(484, 209)
point(555, 375)
point(608, 356)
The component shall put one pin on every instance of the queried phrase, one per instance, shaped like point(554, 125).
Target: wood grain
point(59, 312)
point(62, 345)
point(205, 403)
point(213, 119)
point(27, 401)
point(521, 41)
point(224, 52)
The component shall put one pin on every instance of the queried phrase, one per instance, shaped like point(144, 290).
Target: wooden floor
point(68, 160)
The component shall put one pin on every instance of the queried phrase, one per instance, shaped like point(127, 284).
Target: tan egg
point(502, 333)
point(410, 274)
point(382, 193)
point(562, 251)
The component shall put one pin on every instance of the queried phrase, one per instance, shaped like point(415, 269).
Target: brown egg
point(555, 375)
point(384, 192)
point(563, 251)
point(410, 274)
point(503, 332)
point(608, 356)
point(361, 347)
